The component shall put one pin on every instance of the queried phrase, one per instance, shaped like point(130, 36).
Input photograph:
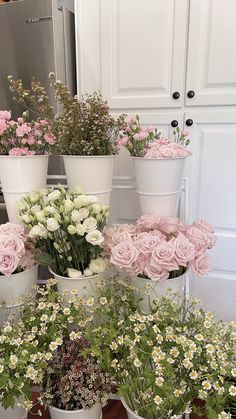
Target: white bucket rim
point(71, 411)
point(109, 156)
point(65, 278)
point(157, 194)
point(161, 280)
point(24, 157)
point(128, 408)
point(159, 159)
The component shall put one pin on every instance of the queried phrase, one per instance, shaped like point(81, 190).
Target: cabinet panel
point(211, 53)
point(143, 49)
point(212, 197)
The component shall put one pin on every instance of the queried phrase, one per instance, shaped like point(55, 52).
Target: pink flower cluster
point(21, 138)
point(159, 248)
point(165, 149)
point(147, 141)
point(15, 253)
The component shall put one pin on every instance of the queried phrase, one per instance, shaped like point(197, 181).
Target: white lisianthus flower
point(38, 231)
point(33, 197)
point(92, 199)
point(77, 190)
point(88, 272)
point(52, 224)
point(98, 265)
point(96, 208)
point(75, 216)
point(81, 201)
point(53, 196)
point(80, 229)
point(71, 229)
point(95, 237)
point(83, 213)
point(22, 205)
point(69, 205)
point(50, 210)
point(40, 216)
point(90, 224)
point(74, 273)
point(26, 218)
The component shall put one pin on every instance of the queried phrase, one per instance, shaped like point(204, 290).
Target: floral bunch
point(164, 360)
point(27, 345)
point(16, 253)
point(67, 228)
point(159, 248)
point(147, 141)
point(22, 138)
point(73, 381)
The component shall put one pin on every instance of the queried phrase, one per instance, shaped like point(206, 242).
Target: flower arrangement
point(84, 127)
point(159, 248)
point(147, 141)
point(164, 360)
point(73, 381)
point(16, 252)
point(22, 138)
point(67, 228)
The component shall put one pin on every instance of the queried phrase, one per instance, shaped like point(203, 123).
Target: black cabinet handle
point(191, 94)
point(176, 95)
point(174, 123)
point(189, 122)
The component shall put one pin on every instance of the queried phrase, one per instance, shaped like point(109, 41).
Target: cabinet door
point(213, 197)
point(211, 53)
point(124, 204)
point(143, 45)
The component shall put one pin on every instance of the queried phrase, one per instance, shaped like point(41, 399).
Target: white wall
point(69, 4)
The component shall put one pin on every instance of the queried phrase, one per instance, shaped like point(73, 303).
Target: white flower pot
point(92, 173)
point(94, 413)
point(86, 287)
point(17, 286)
point(19, 176)
point(159, 184)
point(150, 290)
point(132, 415)
point(15, 413)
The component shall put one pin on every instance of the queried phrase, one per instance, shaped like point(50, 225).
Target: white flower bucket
point(15, 413)
point(86, 287)
point(132, 415)
point(19, 176)
point(94, 413)
point(17, 286)
point(92, 173)
point(150, 290)
point(159, 184)
point(10, 313)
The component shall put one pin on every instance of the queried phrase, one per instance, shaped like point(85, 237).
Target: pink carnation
point(49, 138)
point(8, 261)
point(5, 115)
point(123, 141)
point(3, 126)
point(24, 151)
point(201, 265)
point(23, 129)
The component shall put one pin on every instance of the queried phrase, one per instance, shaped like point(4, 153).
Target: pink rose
point(8, 261)
point(13, 229)
point(49, 138)
point(27, 261)
point(156, 272)
point(14, 243)
point(138, 266)
point(208, 229)
point(123, 255)
point(149, 222)
point(121, 236)
point(184, 250)
point(201, 265)
point(169, 225)
point(147, 243)
point(163, 255)
point(199, 239)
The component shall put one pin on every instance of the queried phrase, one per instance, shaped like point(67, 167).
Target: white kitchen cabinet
point(143, 46)
point(213, 197)
point(211, 64)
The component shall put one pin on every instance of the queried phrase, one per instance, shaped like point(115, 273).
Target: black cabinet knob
point(174, 123)
point(191, 94)
point(189, 122)
point(176, 95)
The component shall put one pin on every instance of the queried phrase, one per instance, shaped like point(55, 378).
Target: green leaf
point(45, 259)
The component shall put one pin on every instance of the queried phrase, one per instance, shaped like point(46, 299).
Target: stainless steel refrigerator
point(36, 37)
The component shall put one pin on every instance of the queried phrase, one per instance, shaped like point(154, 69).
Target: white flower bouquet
point(67, 227)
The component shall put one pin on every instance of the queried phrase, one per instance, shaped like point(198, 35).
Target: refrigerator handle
point(69, 49)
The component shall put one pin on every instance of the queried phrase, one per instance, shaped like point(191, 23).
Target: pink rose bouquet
point(159, 248)
point(147, 141)
point(16, 253)
point(22, 138)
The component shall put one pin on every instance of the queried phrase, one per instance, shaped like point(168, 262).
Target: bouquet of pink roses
point(147, 141)
point(159, 248)
point(22, 138)
point(16, 253)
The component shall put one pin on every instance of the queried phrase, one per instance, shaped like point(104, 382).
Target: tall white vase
point(15, 413)
point(86, 287)
point(92, 173)
point(94, 413)
point(132, 415)
point(19, 176)
point(16, 286)
point(159, 184)
point(157, 289)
